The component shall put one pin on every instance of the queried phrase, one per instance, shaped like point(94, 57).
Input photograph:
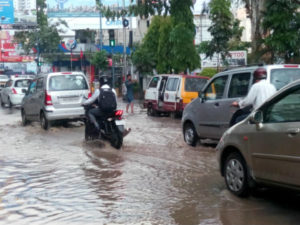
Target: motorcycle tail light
point(119, 114)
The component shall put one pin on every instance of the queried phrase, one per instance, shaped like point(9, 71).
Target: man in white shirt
point(258, 94)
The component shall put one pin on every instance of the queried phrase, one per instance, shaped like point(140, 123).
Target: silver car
point(264, 148)
point(209, 115)
point(3, 80)
point(55, 96)
point(14, 91)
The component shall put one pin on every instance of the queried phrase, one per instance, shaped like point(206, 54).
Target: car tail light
point(66, 73)
point(48, 99)
point(14, 91)
point(119, 114)
point(89, 95)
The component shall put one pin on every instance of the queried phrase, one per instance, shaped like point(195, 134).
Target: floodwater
point(55, 177)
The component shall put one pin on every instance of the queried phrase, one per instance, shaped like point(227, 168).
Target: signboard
point(6, 12)
point(25, 12)
point(235, 58)
point(86, 8)
point(11, 51)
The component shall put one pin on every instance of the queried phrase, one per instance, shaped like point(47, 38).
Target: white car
point(14, 91)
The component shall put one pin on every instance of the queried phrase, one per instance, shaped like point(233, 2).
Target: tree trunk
point(254, 10)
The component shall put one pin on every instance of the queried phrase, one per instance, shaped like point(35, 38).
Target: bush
point(208, 72)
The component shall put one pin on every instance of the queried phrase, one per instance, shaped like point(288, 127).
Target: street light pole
point(124, 46)
point(100, 33)
point(1, 43)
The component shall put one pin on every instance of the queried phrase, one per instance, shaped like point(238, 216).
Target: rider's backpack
point(107, 100)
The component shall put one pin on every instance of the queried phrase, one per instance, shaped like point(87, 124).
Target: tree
point(183, 54)
point(221, 28)
point(45, 38)
point(143, 60)
point(281, 24)
point(99, 59)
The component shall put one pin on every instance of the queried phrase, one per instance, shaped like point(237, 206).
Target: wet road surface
point(55, 177)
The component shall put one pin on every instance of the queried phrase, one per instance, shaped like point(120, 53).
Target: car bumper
point(16, 99)
point(64, 114)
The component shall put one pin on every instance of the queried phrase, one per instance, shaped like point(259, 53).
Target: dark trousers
point(93, 114)
point(240, 115)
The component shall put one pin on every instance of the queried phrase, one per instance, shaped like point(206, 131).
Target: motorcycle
point(112, 127)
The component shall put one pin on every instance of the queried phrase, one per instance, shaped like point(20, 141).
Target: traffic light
point(112, 41)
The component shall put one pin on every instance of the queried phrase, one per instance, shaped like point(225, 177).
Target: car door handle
point(293, 131)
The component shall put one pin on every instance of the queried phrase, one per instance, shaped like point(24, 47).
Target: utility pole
point(124, 44)
point(101, 35)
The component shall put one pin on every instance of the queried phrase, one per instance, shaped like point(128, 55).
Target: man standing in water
point(130, 98)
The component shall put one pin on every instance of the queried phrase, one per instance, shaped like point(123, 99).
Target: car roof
point(184, 75)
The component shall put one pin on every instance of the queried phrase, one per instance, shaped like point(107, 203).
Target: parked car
point(209, 115)
point(3, 80)
point(14, 91)
point(171, 93)
point(264, 148)
point(55, 96)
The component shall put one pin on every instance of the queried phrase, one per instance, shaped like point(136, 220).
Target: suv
point(55, 96)
point(209, 115)
point(14, 91)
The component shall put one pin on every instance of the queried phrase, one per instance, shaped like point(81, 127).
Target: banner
point(86, 8)
point(6, 12)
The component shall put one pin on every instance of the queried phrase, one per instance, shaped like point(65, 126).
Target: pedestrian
point(260, 91)
point(130, 98)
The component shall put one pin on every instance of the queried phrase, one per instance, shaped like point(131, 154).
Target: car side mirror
point(257, 119)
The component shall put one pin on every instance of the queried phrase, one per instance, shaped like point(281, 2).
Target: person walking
point(130, 98)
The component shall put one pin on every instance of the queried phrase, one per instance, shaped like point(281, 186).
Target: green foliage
point(281, 23)
point(183, 51)
point(221, 28)
point(209, 72)
point(203, 48)
point(143, 60)
point(99, 59)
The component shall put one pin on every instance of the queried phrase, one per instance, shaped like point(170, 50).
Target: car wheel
point(45, 124)
point(235, 174)
point(2, 103)
point(190, 134)
point(24, 118)
point(151, 111)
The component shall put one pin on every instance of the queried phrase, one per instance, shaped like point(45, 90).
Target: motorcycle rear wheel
point(116, 140)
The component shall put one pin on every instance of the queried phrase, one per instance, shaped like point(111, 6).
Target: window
point(32, 87)
point(216, 88)
point(194, 84)
point(282, 77)
point(286, 109)
point(239, 85)
point(67, 82)
point(8, 83)
point(22, 83)
point(154, 82)
point(172, 84)
point(40, 82)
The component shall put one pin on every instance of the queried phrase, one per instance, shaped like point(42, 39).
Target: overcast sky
point(198, 5)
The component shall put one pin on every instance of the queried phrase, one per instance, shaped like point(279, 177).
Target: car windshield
point(67, 82)
point(282, 77)
point(3, 77)
point(194, 84)
point(22, 83)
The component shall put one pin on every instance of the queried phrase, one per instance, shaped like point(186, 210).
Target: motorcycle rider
point(95, 98)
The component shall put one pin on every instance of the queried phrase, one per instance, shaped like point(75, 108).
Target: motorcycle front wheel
point(116, 140)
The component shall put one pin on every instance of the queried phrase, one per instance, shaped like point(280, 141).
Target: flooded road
point(55, 177)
